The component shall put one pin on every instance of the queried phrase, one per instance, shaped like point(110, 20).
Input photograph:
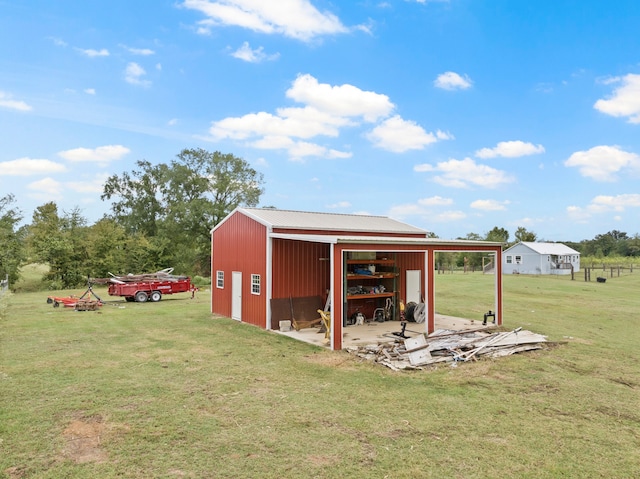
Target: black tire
point(129, 299)
point(141, 297)
point(155, 296)
point(56, 304)
point(408, 312)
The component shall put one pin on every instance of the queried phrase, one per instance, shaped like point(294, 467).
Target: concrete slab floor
point(374, 333)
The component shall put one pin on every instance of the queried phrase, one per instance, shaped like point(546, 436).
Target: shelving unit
point(369, 282)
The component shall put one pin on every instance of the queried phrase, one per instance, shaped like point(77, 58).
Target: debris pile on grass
point(445, 345)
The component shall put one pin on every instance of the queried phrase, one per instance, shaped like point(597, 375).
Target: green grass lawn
point(165, 390)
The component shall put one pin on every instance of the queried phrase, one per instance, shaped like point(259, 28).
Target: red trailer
point(149, 290)
point(147, 287)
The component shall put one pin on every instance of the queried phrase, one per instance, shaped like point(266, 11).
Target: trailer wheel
point(156, 296)
point(141, 297)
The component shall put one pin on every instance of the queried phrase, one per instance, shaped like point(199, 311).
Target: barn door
point(236, 295)
point(413, 291)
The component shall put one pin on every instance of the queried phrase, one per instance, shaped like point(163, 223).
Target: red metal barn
point(268, 262)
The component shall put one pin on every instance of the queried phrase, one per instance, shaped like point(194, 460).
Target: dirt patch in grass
point(83, 438)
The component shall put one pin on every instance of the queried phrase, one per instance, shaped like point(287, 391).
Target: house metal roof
point(304, 220)
point(548, 248)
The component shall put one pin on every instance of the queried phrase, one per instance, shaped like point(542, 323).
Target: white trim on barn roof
point(333, 239)
point(557, 249)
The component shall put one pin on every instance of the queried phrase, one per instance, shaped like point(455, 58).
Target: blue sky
point(454, 116)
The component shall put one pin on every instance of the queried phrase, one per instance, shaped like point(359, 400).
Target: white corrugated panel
point(329, 221)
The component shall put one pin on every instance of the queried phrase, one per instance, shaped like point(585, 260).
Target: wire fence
point(601, 273)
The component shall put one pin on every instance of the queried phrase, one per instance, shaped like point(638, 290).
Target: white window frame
point(255, 284)
point(509, 259)
point(220, 279)
point(518, 259)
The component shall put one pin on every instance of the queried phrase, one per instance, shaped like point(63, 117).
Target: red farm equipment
point(147, 287)
point(86, 302)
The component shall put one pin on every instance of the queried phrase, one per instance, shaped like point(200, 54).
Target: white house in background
point(540, 258)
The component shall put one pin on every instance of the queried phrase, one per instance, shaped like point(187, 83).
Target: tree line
point(161, 216)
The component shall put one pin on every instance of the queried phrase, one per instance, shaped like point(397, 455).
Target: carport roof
point(382, 240)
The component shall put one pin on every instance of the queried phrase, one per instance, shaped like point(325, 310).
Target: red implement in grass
point(81, 303)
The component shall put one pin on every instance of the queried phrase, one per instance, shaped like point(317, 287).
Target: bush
point(201, 281)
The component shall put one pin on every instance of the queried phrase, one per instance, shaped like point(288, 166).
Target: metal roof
point(388, 240)
point(304, 220)
point(548, 248)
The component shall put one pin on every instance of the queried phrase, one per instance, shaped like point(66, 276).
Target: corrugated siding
point(409, 261)
point(300, 268)
point(240, 245)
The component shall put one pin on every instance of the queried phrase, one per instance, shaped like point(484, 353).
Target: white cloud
point(7, 102)
point(578, 214)
point(444, 135)
point(261, 162)
point(435, 201)
point(603, 204)
point(58, 41)
point(510, 149)
point(465, 173)
point(102, 155)
point(625, 100)
point(326, 110)
point(427, 209)
point(290, 122)
point(398, 135)
point(29, 167)
point(46, 189)
point(452, 81)
point(247, 54)
point(340, 100)
point(489, 205)
point(449, 216)
point(92, 185)
point(297, 19)
point(90, 91)
point(603, 162)
point(91, 53)
point(139, 51)
point(615, 203)
point(172, 122)
point(133, 74)
point(298, 150)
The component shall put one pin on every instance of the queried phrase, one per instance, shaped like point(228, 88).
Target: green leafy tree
point(499, 235)
point(176, 205)
point(12, 251)
point(522, 234)
point(60, 242)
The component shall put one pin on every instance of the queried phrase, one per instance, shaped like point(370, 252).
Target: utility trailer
point(147, 287)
